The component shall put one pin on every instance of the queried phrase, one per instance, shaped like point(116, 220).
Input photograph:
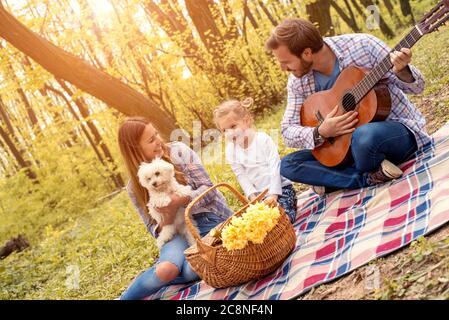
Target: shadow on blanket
point(344, 230)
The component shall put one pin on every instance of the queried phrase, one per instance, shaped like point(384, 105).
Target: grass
point(92, 256)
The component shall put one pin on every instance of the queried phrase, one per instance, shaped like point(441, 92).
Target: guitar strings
point(352, 98)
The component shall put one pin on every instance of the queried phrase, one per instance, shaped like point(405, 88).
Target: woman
point(140, 142)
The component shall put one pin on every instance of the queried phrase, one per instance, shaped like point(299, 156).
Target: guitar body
point(375, 106)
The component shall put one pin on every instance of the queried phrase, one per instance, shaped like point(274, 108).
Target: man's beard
point(306, 67)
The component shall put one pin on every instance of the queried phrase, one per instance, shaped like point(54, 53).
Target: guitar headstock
point(437, 17)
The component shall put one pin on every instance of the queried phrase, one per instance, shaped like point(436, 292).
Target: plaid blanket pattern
point(342, 231)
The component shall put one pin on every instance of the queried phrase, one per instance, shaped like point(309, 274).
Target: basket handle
point(241, 197)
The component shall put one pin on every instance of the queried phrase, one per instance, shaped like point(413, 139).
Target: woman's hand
point(169, 212)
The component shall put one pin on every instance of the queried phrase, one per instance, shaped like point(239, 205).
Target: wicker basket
point(221, 268)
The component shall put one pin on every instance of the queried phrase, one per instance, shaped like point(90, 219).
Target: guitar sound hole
point(348, 102)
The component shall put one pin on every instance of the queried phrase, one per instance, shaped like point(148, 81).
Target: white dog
point(158, 177)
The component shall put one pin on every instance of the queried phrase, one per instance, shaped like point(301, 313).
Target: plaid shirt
point(190, 164)
point(361, 50)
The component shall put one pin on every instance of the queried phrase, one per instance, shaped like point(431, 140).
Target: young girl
point(140, 142)
point(253, 156)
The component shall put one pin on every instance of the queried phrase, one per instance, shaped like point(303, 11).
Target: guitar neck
point(374, 76)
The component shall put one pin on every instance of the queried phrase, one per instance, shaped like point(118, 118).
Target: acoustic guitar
point(361, 90)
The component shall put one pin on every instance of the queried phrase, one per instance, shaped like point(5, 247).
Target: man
point(314, 64)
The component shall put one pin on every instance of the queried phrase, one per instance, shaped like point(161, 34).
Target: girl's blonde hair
point(129, 135)
point(240, 108)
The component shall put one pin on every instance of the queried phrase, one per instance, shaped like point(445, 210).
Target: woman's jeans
point(371, 144)
point(173, 251)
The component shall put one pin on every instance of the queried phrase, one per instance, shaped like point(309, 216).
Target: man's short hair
point(297, 35)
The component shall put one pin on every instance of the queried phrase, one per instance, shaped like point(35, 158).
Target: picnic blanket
point(344, 230)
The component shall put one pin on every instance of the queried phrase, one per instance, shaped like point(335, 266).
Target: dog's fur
point(158, 177)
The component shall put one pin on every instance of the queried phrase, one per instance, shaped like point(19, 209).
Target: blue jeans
point(173, 251)
point(370, 145)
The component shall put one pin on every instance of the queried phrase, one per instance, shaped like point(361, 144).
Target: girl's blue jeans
point(371, 144)
point(148, 282)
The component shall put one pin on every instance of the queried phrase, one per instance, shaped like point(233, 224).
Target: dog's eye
point(156, 173)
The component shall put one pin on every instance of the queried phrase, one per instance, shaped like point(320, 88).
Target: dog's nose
point(154, 184)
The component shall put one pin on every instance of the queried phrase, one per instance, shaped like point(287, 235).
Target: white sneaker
point(386, 172)
point(320, 190)
point(390, 170)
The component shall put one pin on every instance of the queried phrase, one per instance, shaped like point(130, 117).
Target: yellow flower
point(233, 238)
point(253, 225)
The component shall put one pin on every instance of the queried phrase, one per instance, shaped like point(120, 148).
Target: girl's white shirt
point(258, 166)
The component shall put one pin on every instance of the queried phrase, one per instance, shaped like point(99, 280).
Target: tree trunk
point(319, 13)
point(351, 12)
point(31, 114)
point(358, 9)
point(204, 22)
point(203, 19)
point(89, 79)
point(389, 6)
point(56, 116)
point(172, 23)
point(18, 155)
point(247, 13)
point(392, 13)
point(78, 120)
point(5, 165)
point(232, 31)
point(350, 20)
point(141, 64)
point(84, 111)
point(407, 9)
point(4, 116)
point(97, 32)
point(268, 13)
